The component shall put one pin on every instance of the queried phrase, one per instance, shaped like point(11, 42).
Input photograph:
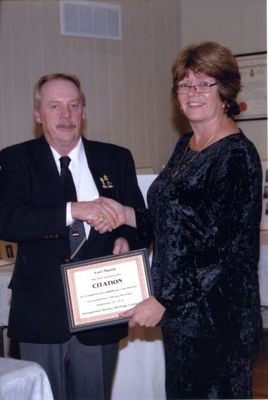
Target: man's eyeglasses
point(202, 87)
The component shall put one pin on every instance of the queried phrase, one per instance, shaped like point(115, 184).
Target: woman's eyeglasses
point(202, 87)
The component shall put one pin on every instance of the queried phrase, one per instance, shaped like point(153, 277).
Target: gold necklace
point(181, 165)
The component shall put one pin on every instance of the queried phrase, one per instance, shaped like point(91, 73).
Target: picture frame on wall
point(253, 97)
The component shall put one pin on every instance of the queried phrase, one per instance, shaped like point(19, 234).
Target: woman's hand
point(103, 214)
point(117, 215)
point(102, 217)
point(148, 313)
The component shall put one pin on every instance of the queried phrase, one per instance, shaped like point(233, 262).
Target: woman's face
point(201, 103)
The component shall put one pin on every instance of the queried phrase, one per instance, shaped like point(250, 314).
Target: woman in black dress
point(203, 213)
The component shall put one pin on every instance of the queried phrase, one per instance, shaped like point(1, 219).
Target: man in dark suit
point(35, 214)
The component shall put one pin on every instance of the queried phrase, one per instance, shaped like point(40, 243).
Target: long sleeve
point(31, 201)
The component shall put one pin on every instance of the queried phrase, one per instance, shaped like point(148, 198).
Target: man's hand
point(120, 246)
point(103, 214)
point(120, 214)
point(99, 216)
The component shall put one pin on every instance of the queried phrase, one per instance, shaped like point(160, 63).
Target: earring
point(225, 107)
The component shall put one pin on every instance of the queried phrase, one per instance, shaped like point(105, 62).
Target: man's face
point(61, 114)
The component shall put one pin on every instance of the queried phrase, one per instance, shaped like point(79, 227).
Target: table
point(23, 380)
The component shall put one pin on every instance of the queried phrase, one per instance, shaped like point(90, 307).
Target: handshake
point(103, 214)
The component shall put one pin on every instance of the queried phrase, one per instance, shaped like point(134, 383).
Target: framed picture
point(253, 97)
point(98, 291)
point(8, 251)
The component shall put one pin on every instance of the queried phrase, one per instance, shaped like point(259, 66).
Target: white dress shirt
point(86, 189)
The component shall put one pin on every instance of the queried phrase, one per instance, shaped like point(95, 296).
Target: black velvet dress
point(205, 220)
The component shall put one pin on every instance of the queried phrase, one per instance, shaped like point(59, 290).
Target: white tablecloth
point(23, 380)
point(5, 293)
point(140, 373)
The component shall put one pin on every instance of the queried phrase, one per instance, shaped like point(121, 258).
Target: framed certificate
point(97, 291)
point(253, 97)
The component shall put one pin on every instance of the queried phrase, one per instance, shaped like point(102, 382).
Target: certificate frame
point(98, 290)
point(252, 98)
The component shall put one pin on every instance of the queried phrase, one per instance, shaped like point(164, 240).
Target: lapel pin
point(106, 183)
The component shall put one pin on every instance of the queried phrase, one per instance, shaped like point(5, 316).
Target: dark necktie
point(77, 234)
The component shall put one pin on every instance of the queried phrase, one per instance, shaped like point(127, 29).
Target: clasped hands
point(102, 214)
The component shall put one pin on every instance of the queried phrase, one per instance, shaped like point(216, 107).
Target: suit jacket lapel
point(46, 166)
point(95, 165)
